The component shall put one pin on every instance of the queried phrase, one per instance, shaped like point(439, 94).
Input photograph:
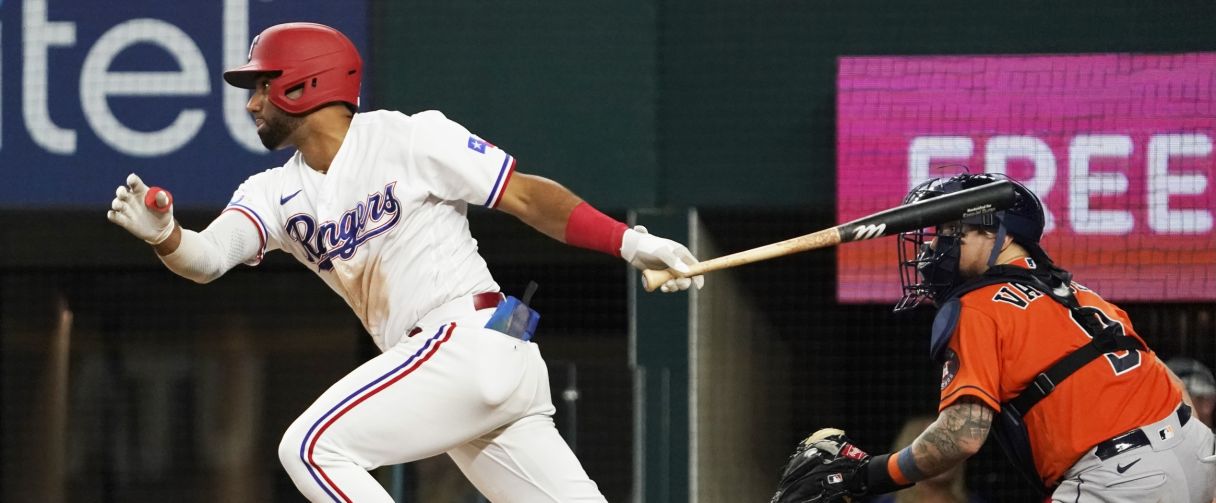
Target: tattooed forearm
point(958, 433)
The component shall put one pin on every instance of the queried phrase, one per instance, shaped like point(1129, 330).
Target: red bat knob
point(158, 199)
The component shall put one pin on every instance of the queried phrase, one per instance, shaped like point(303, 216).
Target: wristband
point(883, 475)
point(588, 228)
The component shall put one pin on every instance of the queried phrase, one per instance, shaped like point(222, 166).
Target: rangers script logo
point(339, 240)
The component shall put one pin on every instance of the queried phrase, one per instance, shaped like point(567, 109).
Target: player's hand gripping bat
point(153, 222)
point(158, 199)
point(929, 212)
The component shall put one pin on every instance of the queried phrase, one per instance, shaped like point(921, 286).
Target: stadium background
point(712, 122)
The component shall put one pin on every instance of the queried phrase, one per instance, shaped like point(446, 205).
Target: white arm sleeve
point(203, 256)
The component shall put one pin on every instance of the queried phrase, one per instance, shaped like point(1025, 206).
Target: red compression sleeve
point(588, 228)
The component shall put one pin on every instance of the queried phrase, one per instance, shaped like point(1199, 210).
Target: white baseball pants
point(477, 394)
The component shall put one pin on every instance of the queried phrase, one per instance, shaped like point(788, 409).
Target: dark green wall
point(709, 102)
point(568, 88)
point(748, 88)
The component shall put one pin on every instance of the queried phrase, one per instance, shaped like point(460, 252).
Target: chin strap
point(996, 246)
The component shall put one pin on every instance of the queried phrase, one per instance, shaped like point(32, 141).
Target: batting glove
point(129, 211)
point(645, 251)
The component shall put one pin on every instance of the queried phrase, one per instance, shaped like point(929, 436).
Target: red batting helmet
point(311, 57)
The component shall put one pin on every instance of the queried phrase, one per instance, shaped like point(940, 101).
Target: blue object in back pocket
point(514, 318)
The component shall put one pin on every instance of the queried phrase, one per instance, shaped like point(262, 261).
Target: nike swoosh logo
point(1123, 468)
point(283, 200)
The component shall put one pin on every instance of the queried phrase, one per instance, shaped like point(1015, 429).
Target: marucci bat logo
point(870, 231)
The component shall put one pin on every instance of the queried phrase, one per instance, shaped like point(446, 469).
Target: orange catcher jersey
point(1007, 334)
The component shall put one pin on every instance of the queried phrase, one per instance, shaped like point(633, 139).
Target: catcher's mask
point(929, 270)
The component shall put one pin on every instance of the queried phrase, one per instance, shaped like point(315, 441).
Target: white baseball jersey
point(386, 226)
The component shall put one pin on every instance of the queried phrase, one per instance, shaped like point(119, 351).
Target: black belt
point(1135, 438)
point(484, 300)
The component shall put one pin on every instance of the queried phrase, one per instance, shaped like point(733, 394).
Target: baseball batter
point(1077, 400)
point(375, 204)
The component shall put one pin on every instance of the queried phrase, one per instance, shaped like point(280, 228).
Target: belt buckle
point(1125, 443)
point(1121, 444)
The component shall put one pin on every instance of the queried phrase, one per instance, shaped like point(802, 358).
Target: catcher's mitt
point(824, 468)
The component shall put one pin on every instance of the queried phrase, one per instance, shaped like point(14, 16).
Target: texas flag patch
point(479, 145)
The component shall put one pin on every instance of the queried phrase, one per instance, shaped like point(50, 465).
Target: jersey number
point(1121, 364)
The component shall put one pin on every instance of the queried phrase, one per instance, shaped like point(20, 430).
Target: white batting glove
point(646, 251)
point(129, 212)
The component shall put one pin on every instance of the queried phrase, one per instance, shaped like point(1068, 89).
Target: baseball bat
point(929, 212)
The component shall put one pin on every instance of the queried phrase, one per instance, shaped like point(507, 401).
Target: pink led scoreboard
point(1118, 146)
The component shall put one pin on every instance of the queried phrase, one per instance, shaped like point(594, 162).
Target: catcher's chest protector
point(1010, 429)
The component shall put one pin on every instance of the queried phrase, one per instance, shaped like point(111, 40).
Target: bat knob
point(158, 199)
point(652, 279)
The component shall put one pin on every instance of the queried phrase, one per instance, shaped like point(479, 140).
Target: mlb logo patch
point(479, 145)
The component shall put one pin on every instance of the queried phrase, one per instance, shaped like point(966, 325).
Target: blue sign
point(93, 91)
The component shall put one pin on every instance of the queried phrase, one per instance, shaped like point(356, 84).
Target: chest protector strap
point(1010, 428)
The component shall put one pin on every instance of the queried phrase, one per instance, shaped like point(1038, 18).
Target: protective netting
point(859, 367)
point(127, 383)
point(1117, 146)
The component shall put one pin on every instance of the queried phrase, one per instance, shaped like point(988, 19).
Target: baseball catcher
point(1076, 399)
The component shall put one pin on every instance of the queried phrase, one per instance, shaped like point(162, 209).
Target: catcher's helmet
point(311, 57)
point(929, 273)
